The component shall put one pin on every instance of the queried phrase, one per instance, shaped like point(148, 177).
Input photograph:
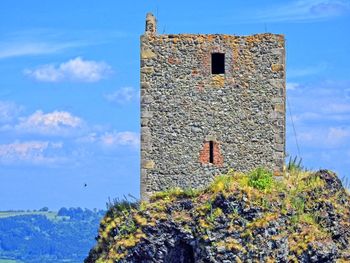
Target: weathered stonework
point(184, 107)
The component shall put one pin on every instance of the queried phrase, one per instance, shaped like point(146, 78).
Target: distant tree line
point(36, 238)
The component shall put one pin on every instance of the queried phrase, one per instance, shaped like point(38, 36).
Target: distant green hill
point(46, 236)
point(9, 261)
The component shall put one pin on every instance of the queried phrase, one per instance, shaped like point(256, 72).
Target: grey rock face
point(235, 225)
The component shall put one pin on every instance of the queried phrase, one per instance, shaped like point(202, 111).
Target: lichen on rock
point(303, 217)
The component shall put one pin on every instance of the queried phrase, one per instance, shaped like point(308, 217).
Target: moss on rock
point(304, 217)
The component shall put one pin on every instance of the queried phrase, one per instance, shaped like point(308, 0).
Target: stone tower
point(209, 103)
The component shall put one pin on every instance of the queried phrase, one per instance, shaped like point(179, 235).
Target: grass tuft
point(260, 179)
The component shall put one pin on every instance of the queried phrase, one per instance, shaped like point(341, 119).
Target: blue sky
point(69, 89)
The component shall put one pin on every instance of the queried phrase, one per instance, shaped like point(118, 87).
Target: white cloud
point(9, 110)
point(323, 137)
point(123, 95)
point(302, 11)
point(307, 116)
point(18, 49)
point(40, 41)
point(306, 71)
point(89, 138)
point(325, 102)
point(329, 8)
point(306, 136)
point(33, 152)
point(347, 93)
point(322, 115)
point(76, 69)
point(54, 123)
point(46, 73)
point(322, 123)
point(292, 85)
point(120, 138)
point(337, 135)
point(112, 139)
point(338, 108)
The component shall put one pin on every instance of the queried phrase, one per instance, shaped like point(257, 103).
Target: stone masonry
point(197, 123)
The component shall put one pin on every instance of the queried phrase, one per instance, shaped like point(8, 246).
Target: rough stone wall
point(184, 107)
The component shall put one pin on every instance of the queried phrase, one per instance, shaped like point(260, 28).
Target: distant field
point(9, 261)
point(50, 215)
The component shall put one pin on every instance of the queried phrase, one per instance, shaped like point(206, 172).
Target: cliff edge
point(301, 217)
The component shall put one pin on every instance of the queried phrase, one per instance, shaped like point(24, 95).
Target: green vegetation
point(175, 192)
point(296, 203)
point(294, 164)
point(50, 215)
point(260, 179)
point(46, 236)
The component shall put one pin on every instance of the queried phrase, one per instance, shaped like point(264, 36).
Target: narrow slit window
point(211, 152)
point(217, 63)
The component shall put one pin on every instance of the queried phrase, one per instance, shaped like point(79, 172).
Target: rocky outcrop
point(305, 217)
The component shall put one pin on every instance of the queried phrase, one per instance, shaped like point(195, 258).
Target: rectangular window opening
point(217, 63)
point(211, 152)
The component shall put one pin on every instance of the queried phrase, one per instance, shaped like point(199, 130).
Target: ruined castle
point(209, 103)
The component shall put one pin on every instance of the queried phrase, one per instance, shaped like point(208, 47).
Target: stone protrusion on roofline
point(151, 24)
